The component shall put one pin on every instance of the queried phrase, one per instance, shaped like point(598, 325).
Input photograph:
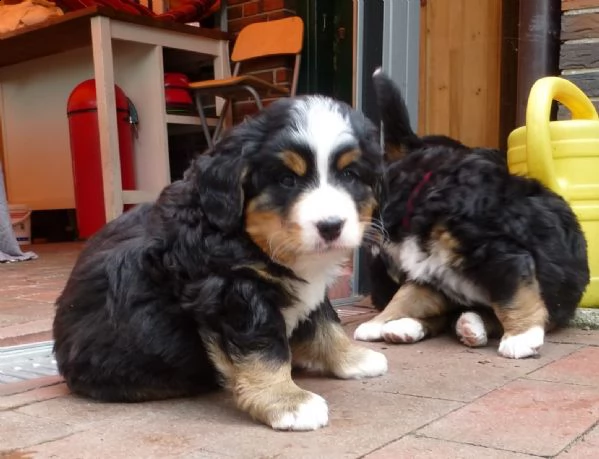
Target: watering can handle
point(538, 112)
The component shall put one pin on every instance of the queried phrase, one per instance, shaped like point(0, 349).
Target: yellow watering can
point(564, 155)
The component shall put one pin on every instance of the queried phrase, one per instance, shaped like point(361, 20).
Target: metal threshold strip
point(27, 361)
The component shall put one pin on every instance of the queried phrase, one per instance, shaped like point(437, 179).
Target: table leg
point(107, 121)
point(222, 69)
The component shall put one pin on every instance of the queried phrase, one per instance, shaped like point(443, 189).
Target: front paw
point(298, 411)
point(470, 330)
point(360, 362)
point(524, 345)
point(369, 331)
point(405, 330)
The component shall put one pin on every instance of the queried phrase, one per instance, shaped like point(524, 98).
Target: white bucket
point(20, 218)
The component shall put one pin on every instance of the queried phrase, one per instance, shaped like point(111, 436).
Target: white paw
point(309, 415)
point(470, 328)
point(368, 364)
point(404, 330)
point(526, 344)
point(369, 331)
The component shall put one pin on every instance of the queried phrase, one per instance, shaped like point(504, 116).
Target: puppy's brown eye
point(288, 180)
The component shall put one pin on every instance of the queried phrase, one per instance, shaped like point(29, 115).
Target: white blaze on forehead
point(320, 123)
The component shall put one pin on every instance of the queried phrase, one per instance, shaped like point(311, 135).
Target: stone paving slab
point(439, 399)
point(506, 409)
point(586, 447)
point(418, 447)
point(534, 417)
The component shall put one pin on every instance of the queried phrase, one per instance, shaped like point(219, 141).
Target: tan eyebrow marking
point(295, 162)
point(345, 159)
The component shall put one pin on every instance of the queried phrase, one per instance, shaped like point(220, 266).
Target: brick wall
point(277, 69)
point(579, 53)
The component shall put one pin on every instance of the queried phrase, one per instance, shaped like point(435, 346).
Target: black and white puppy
point(222, 281)
point(469, 244)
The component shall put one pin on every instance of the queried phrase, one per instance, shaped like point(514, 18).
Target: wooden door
point(460, 57)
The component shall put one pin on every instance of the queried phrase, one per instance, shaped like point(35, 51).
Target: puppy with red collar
point(470, 245)
point(222, 281)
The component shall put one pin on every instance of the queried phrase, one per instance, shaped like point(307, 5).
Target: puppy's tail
point(399, 137)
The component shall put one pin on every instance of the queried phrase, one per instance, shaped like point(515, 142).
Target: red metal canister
point(86, 157)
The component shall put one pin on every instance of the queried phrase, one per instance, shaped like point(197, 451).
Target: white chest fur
point(319, 272)
point(435, 268)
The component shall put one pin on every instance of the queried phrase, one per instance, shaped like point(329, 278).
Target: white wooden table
point(40, 66)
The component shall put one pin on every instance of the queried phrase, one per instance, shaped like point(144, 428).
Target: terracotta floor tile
point(412, 447)
point(26, 386)
point(581, 367)
point(78, 411)
point(29, 327)
point(533, 417)
point(443, 368)
point(33, 396)
point(575, 336)
point(21, 431)
point(586, 447)
point(212, 426)
point(21, 309)
point(44, 295)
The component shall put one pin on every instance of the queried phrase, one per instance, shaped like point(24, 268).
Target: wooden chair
point(258, 40)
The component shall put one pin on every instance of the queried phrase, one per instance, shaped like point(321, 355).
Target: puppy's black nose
point(330, 229)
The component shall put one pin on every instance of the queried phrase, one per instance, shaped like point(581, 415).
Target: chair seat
point(233, 86)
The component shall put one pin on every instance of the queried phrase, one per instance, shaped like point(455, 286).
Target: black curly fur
point(510, 229)
point(153, 283)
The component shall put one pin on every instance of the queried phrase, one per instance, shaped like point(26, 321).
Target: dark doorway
point(327, 58)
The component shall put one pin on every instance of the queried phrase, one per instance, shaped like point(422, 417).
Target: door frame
point(395, 48)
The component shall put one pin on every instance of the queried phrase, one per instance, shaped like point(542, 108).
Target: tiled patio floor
point(439, 400)
point(28, 290)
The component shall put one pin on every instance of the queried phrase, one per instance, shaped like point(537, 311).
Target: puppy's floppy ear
point(398, 136)
point(218, 179)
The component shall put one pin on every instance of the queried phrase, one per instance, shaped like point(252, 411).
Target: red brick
point(236, 2)
point(271, 62)
point(266, 75)
point(282, 75)
point(235, 12)
point(271, 5)
point(279, 15)
point(238, 24)
point(243, 109)
point(251, 9)
point(533, 417)
point(579, 4)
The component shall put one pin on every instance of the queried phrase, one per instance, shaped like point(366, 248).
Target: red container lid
point(83, 98)
point(176, 80)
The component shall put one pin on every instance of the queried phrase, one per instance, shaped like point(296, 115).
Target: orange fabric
point(283, 36)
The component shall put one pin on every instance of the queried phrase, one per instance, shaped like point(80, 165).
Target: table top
point(72, 30)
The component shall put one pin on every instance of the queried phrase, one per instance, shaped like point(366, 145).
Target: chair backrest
point(269, 38)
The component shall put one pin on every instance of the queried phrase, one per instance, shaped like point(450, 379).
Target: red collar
point(413, 195)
